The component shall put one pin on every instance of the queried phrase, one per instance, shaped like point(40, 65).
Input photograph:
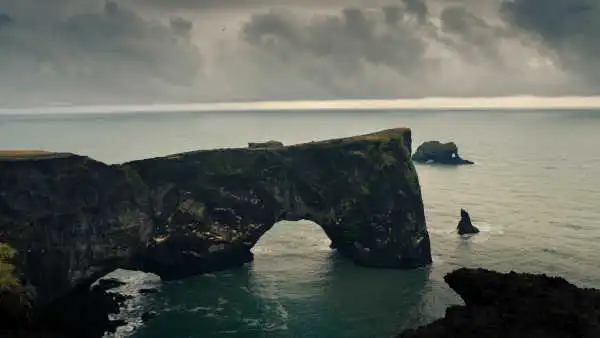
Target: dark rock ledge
point(515, 305)
point(67, 220)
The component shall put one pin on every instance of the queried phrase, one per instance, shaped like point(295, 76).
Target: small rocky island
point(67, 220)
point(440, 153)
point(465, 227)
point(515, 305)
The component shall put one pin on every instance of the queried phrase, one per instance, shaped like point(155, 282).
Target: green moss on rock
point(7, 269)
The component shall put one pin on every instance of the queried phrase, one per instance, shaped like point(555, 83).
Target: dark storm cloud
point(119, 37)
point(181, 26)
point(571, 28)
point(392, 14)
point(417, 7)
point(470, 35)
point(108, 52)
point(341, 52)
point(5, 19)
point(92, 51)
point(246, 4)
point(385, 52)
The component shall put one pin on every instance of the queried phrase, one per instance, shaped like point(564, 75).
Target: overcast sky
point(171, 51)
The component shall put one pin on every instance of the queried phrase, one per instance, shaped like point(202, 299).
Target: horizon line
point(429, 103)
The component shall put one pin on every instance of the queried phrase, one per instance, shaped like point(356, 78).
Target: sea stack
point(465, 227)
point(440, 153)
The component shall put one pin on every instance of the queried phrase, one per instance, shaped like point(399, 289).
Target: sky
point(96, 52)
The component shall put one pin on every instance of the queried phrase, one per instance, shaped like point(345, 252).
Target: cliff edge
point(66, 220)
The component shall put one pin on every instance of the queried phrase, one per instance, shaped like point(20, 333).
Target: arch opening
point(299, 240)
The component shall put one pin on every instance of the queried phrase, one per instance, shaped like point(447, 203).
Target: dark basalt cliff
point(515, 305)
point(66, 220)
point(213, 206)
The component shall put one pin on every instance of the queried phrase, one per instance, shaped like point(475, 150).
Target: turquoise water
point(534, 192)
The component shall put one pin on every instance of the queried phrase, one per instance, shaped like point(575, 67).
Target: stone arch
point(212, 207)
point(70, 219)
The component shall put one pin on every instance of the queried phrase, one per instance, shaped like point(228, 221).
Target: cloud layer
point(150, 51)
point(106, 53)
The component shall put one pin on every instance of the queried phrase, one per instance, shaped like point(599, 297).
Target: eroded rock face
point(515, 305)
point(437, 152)
point(465, 227)
point(213, 206)
point(66, 220)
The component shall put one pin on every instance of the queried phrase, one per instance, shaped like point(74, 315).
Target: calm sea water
point(534, 192)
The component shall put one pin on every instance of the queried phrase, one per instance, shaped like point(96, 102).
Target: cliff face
point(515, 305)
point(66, 220)
point(213, 206)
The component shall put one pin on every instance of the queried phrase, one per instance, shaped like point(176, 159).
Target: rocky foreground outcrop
point(440, 153)
point(515, 305)
point(66, 220)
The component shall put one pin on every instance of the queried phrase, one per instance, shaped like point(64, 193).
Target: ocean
point(534, 192)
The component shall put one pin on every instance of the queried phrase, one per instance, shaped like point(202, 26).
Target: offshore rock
point(437, 152)
point(515, 305)
point(67, 220)
point(465, 227)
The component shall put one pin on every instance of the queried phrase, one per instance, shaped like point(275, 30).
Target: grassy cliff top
point(383, 135)
point(7, 279)
point(400, 134)
point(29, 154)
point(23, 152)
